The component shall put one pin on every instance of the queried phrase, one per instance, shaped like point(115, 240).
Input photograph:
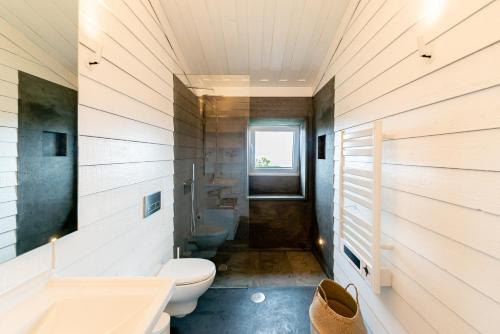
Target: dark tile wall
point(188, 149)
point(283, 223)
point(323, 103)
point(274, 185)
point(47, 162)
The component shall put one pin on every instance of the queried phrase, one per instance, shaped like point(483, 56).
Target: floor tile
point(267, 268)
point(230, 311)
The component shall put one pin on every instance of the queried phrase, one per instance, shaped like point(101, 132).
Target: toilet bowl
point(192, 277)
point(207, 238)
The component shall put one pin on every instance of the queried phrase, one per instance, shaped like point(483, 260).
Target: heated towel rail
point(360, 202)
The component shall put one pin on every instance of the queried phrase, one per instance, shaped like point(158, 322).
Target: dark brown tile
point(267, 268)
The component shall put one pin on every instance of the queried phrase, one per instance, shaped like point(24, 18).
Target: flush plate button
point(152, 203)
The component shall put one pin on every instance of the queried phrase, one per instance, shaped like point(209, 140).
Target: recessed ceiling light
point(283, 80)
point(264, 80)
point(302, 80)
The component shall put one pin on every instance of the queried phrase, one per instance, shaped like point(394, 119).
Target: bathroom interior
point(205, 166)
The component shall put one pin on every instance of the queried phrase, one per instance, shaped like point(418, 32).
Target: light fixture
point(432, 10)
point(53, 240)
point(321, 242)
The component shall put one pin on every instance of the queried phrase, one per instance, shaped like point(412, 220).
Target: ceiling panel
point(274, 42)
point(51, 24)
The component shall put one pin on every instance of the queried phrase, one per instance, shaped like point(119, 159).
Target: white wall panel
point(277, 43)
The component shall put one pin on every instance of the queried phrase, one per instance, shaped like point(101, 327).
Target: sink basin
point(91, 305)
point(220, 183)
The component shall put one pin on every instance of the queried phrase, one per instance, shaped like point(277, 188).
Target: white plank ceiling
point(275, 42)
point(50, 24)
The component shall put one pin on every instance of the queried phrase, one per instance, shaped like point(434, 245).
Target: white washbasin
point(91, 305)
point(220, 183)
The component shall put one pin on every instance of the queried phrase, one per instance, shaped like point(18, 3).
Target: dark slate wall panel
point(322, 228)
point(47, 162)
point(274, 185)
point(283, 223)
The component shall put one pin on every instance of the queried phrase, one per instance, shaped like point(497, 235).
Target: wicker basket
point(333, 310)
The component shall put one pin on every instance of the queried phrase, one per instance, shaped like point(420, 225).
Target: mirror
point(38, 123)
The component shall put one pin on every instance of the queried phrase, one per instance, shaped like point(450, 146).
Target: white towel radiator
point(360, 202)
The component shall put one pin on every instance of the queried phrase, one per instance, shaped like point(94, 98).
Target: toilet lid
point(188, 270)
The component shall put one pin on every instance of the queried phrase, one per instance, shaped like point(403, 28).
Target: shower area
point(211, 202)
point(253, 241)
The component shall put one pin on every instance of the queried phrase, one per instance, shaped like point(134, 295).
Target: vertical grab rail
point(360, 175)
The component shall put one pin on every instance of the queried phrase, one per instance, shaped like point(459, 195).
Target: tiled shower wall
point(283, 223)
point(188, 149)
point(323, 176)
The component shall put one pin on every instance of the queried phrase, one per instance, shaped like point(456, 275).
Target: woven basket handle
point(355, 288)
point(324, 295)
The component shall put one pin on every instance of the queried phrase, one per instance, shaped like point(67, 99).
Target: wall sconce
point(53, 252)
point(432, 10)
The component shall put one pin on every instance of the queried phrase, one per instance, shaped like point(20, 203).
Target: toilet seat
point(188, 270)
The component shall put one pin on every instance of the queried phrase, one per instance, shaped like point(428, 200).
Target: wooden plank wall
point(126, 149)
point(441, 171)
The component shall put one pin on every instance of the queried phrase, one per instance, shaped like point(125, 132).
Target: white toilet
point(192, 277)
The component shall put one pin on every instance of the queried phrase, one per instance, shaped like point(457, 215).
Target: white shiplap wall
point(125, 149)
point(441, 168)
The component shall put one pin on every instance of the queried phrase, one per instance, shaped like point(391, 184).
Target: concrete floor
point(267, 268)
point(230, 311)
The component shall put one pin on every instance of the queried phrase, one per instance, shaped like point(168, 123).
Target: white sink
point(220, 183)
point(91, 305)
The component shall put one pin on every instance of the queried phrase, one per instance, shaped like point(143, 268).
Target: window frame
point(283, 171)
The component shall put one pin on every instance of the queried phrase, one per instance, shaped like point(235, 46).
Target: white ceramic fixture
point(89, 305)
point(192, 278)
point(218, 183)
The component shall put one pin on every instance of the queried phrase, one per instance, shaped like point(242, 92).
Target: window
point(274, 149)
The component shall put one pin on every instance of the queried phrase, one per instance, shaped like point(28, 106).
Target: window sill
point(277, 197)
point(273, 174)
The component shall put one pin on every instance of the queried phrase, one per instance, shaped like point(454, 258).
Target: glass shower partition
point(226, 199)
point(210, 145)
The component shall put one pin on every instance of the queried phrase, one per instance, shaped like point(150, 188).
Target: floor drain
point(258, 297)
